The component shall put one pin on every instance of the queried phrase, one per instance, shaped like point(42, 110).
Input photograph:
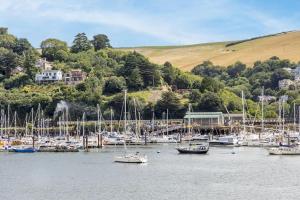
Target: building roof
point(50, 70)
point(203, 115)
point(234, 115)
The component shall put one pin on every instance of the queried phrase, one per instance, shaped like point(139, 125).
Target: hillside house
point(289, 70)
point(17, 70)
point(296, 72)
point(266, 98)
point(48, 76)
point(74, 77)
point(285, 83)
point(43, 64)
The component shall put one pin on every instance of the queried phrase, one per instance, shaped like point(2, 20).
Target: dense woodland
point(109, 71)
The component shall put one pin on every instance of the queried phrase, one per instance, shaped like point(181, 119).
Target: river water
point(248, 173)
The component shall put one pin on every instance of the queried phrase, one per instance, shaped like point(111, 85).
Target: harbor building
point(212, 119)
point(209, 119)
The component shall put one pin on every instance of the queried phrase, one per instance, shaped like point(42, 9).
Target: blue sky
point(149, 22)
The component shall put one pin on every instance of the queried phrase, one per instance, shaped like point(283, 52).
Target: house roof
point(51, 71)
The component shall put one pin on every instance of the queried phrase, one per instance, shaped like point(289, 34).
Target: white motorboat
point(131, 158)
point(164, 139)
point(284, 150)
point(224, 141)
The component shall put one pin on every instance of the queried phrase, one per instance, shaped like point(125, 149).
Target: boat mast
point(189, 120)
point(244, 120)
point(8, 125)
point(67, 122)
point(299, 119)
point(111, 118)
point(153, 121)
point(83, 120)
point(167, 122)
point(139, 123)
point(283, 118)
point(26, 124)
point(32, 122)
point(279, 116)
point(262, 111)
point(99, 118)
point(125, 122)
point(77, 127)
point(59, 123)
point(136, 119)
point(39, 120)
point(294, 117)
point(1, 125)
point(15, 121)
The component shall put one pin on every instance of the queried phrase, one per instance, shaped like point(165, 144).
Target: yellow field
point(285, 46)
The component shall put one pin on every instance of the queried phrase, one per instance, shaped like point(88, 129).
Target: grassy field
point(284, 45)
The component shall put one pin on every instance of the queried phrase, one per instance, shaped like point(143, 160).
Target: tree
point(170, 101)
point(80, 43)
point(114, 84)
point(8, 41)
point(21, 46)
point(183, 81)
point(234, 106)
point(236, 69)
point(31, 57)
point(100, 41)
point(210, 102)
point(197, 84)
point(149, 72)
point(169, 73)
point(3, 30)
point(53, 48)
point(194, 96)
point(135, 81)
point(8, 61)
point(210, 84)
point(207, 69)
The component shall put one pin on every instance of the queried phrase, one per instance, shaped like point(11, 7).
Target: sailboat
point(129, 158)
point(192, 148)
point(289, 149)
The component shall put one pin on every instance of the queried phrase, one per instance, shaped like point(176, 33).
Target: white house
point(296, 72)
point(49, 76)
point(266, 98)
point(289, 70)
point(285, 83)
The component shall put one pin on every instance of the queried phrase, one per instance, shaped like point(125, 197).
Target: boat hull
point(27, 150)
point(291, 152)
point(130, 159)
point(213, 143)
point(186, 151)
